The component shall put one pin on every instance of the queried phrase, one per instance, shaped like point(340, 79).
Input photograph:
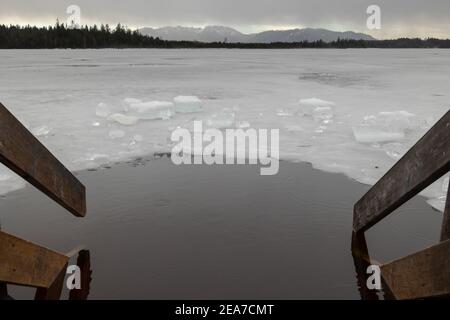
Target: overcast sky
point(399, 17)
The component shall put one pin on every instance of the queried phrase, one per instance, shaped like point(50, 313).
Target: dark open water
point(158, 231)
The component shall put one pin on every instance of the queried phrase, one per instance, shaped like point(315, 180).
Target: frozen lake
point(348, 111)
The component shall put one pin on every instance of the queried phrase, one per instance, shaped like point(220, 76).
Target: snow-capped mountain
point(307, 34)
point(221, 34)
point(207, 34)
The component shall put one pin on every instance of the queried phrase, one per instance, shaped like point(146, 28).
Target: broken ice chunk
point(385, 127)
point(103, 110)
point(372, 134)
point(40, 131)
point(187, 104)
point(395, 150)
point(116, 134)
point(123, 119)
point(402, 120)
point(244, 124)
point(320, 129)
point(99, 157)
point(283, 113)
point(151, 110)
point(323, 114)
point(307, 106)
point(129, 101)
point(223, 120)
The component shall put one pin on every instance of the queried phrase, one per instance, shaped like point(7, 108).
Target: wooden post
point(445, 232)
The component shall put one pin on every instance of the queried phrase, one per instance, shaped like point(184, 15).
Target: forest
point(60, 36)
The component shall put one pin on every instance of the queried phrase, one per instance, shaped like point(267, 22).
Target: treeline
point(60, 36)
point(97, 37)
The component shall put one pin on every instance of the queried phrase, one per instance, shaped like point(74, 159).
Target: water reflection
point(362, 261)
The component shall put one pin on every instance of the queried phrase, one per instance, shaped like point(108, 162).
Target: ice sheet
point(86, 115)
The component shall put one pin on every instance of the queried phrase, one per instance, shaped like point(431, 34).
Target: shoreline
point(158, 155)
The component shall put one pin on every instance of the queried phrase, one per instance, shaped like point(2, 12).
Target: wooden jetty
point(22, 262)
point(425, 274)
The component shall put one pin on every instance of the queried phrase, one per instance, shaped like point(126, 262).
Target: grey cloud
point(348, 14)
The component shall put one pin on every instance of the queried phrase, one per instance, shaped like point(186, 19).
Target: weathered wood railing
point(25, 155)
point(426, 273)
point(22, 262)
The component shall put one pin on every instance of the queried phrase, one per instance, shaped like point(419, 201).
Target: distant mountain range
point(226, 34)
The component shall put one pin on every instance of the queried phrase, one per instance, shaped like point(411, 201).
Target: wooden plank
point(53, 292)
point(25, 263)
point(445, 231)
point(425, 274)
point(423, 164)
point(25, 155)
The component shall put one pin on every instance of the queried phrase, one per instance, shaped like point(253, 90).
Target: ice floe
point(308, 106)
point(385, 127)
point(103, 110)
point(123, 119)
point(243, 124)
point(371, 134)
point(129, 101)
point(151, 110)
point(187, 104)
point(323, 114)
point(116, 134)
point(225, 119)
point(40, 131)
